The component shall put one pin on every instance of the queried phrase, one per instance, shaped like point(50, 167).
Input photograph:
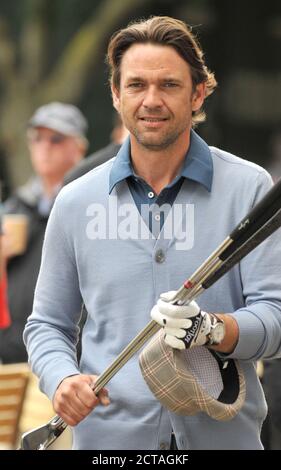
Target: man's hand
point(74, 398)
point(184, 326)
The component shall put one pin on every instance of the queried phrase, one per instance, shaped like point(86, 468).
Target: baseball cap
point(172, 377)
point(61, 117)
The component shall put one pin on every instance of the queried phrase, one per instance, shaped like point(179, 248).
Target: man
point(109, 242)
point(118, 135)
point(56, 138)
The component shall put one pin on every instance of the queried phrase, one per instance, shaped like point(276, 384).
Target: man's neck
point(50, 186)
point(159, 168)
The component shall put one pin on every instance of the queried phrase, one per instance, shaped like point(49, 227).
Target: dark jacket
point(22, 272)
point(96, 159)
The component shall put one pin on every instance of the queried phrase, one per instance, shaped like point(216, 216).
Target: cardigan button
point(160, 256)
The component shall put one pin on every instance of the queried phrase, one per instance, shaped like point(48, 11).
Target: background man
point(56, 138)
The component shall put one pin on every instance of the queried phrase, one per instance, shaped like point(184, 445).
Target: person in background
point(56, 139)
point(117, 137)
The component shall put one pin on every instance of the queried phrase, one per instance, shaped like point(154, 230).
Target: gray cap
point(64, 118)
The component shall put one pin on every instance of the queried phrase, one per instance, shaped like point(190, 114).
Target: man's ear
point(198, 96)
point(115, 97)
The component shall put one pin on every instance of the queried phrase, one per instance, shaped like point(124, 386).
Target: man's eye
point(135, 85)
point(170, 84)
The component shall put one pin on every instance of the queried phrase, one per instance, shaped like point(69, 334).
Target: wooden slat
point(14, 368)
point(8, 422)
point(11, 408)
point(7, 438)
point(13, 375)
point(12, 391)
point(8, 414)
point(6, 429)
point(13, 383)
point(10, 400)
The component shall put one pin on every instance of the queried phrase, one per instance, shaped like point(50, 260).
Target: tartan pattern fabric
point(165, 372)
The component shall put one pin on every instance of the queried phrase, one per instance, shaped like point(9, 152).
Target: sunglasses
point(54, 139)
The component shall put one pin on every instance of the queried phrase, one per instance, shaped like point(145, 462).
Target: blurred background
point(55, 50)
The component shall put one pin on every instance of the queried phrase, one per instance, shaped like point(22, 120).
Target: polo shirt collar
point(198, 164)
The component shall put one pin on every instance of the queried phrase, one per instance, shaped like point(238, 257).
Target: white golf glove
point(184, 326)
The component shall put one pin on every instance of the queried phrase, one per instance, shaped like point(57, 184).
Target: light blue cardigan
point(120, 280)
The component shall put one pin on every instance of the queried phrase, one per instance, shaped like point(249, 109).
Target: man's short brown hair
point(165, 31)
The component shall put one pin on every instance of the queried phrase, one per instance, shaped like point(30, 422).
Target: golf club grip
point(271, 226)
point(255, 219)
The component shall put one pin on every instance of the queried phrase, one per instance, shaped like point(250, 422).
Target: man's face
point(156, 98)
point(52, 153)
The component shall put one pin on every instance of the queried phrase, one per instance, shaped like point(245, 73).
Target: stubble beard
point(164, 141)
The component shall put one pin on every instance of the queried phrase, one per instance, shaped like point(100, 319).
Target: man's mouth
point(153, 119)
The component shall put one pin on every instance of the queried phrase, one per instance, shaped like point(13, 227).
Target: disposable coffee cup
point(15, 228)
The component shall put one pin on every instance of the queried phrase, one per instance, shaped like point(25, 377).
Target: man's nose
point(152, 98)
point(43, 148)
